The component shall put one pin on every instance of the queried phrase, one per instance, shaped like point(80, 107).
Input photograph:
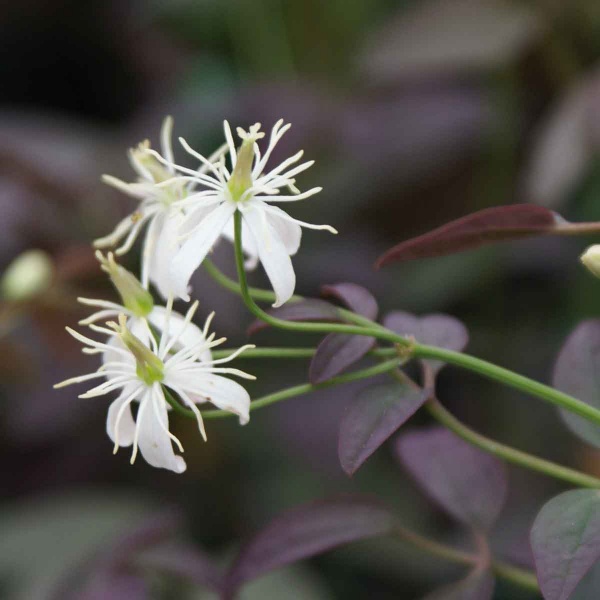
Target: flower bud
point(137, 299)
point(591, 259)
point(29, 275)
point(149, 367)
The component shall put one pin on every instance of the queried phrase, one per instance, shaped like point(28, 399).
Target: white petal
point(126, 422)
point(289, 232)
point(166, 247)
point(153, 440)
point(192, 334)
point(197, 246)
point(273, 254)
point(150, 240)
point(224, 393)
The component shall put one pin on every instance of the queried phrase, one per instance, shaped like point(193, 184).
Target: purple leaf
point(588, 587)
point(336, 353)
point(304, 310)
point(306, 531)
point(436, 330)
point(576, 372)
point(466, 482)
point(565, 539)
point(355, 297)
point(479, 585)
point(478, 229)
point(376, 413)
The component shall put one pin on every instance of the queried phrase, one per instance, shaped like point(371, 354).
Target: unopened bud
point(29, 275)
point(137, 299)
point(591, 259)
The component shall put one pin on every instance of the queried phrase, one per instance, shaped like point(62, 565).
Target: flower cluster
point(152, 356)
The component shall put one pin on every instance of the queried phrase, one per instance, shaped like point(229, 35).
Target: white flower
point(269, 233)
point(158, 188)
point(141, 373)
point(138, 306)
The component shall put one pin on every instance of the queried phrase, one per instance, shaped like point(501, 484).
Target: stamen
point(233, 355)
point(192, 405)
point(166, 134)
point(188, 317)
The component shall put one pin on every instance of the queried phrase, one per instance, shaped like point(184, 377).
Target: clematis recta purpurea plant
point(164, 364)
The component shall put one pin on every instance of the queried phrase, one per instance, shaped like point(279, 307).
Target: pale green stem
point(291, 392)
point(507, 453)
point(410, 348)
point(521, 577)
point(509, 378)
point(265, 352)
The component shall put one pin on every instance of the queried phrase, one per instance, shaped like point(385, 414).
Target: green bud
point(149, 367)
point(137, 299)
point(29, 275)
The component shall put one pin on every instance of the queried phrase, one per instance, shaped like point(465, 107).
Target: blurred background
point(417, 112)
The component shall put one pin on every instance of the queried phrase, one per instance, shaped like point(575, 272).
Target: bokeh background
point(417, 112)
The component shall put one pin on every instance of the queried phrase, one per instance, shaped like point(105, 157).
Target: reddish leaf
point(436, 330)
point(465, 481)
point(479, 585)
point(355, 297)
point(376, 413)
point(336, 353)
point(306, 531)
point(565, 539)
point(483, 227)
point(304, 310)
point(576, 373)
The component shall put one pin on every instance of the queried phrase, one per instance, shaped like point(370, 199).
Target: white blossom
point(138, 306)
point(158, 189)
point(269, 233)
point(140, 373)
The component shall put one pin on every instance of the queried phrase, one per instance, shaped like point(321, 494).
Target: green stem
point(177, 407)
point(371, 329)
point(507, 453)
point(512, 455)
point(509, 378)
point(433, 547)
point(234, 286)
point(521, 577)
point(305, 388)
point(305, 327)
point(297, 390)
point(265, 352)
